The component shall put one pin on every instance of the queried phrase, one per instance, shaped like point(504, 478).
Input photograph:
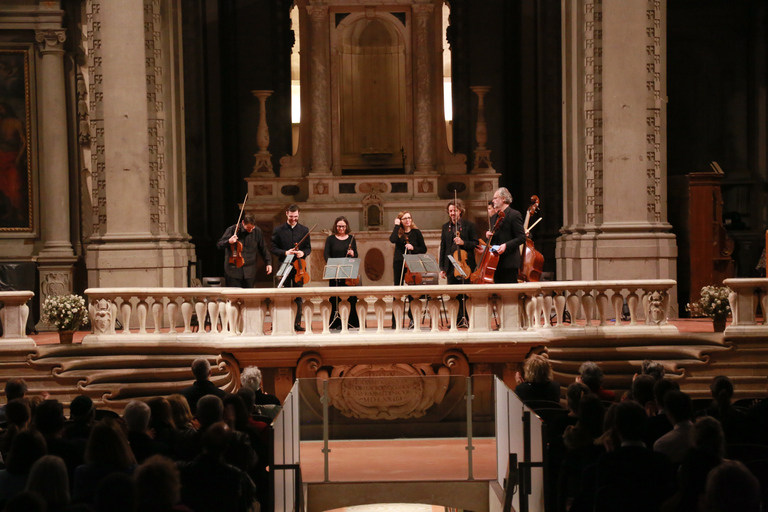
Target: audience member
point(537, 383)
point(81, 417)
point(731, 487)
point(211, 485)
point(642, 393)
point(733, 421)
point(107, 452)
point(136, 415)
point(675, 443)
point(26, 501)
point(202, 386)
point(49, 420)
point(652, 368)
point(591, 375)
point(17, 416)
point(589, 426)
point(251, 378)
point(182, 415)
point(28, 446)
point(158, 486)
point(161, 422)
point(14, 388)
point(632, 477)
point(116, 493)
point(659, 424)
point(49, 479)
point(757, 418)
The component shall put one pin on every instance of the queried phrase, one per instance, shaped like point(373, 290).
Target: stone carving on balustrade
point(103, 315)
point(656, 306)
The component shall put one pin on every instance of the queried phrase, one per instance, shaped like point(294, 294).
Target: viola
point(532, 260)
point(486, 268)
point(236, 249)
point(460, 255)
point(409, 277)
point(300, 264)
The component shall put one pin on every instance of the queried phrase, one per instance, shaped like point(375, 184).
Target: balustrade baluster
point(141, 314)
point(618, 303)
point(157, 315)
point(559, 309)
point(632, 302)
point(125, 314)
point(213, 314)
point(172, 310)
point(573, 303)
point(588, 302)
point(380, 310)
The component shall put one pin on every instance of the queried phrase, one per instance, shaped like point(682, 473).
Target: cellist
point(249, 235)
point(509, 235)
point(284, 240)
point(458, 239)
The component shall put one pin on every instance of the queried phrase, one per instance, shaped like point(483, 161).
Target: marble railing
point(745, 297)
point(235, 313)
point(14, 314)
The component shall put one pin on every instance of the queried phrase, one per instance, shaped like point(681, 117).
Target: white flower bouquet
point(713, 303)
point(65, 312)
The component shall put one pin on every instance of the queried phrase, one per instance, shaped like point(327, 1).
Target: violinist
point(458, 238)
point(341, 245)
point(249, 235)
point(284, 240)
point(509, 235)
point(407, 238)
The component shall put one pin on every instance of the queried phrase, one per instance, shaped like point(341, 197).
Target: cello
point(532, 260)
point(486, 268)
point(236, 249)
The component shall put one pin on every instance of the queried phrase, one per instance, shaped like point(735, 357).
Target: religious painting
point(15, 163)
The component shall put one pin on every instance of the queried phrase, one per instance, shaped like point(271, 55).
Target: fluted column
point(422, 97)
point(320, 73)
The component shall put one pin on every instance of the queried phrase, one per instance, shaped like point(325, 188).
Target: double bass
point(532, 260)
point(486, 268)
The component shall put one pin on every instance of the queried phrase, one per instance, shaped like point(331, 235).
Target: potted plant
point(714, 304)
point(65, 312)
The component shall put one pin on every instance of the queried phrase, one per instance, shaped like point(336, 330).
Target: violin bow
point(241, 212)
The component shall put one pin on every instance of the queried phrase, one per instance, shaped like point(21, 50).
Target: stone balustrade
point(14, 314)
point(237, 314)
point(745, 297)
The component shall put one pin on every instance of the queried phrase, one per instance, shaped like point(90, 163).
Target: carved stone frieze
point(593, 113)
point(103, 315)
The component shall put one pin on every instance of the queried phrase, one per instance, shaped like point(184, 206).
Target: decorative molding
point(593, 110)
point(654, 156)
point(50, 40)
point(153, 48)
point(96, 118)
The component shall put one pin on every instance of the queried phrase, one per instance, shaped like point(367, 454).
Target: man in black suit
point(249, 234)
point(285, 238)
point(202, 386)
point(509, 235)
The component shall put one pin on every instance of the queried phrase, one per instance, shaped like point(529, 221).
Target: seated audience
point(211, 485)
point(675, 443)
point(107, 452)
point(251, 378)
point(81, 417)
point(158, 486)
point(592, 376)
point(50, 420)
point(589, 426)
point(14, 388)
point(182, 415)
point(115, 493)
point(28, 446)
point(537, 383)
point(652, 368)
point(642, 393)
point(26, 501)
point(732, 488)
point(659, 424)
point(161, 421)
point(49, 479)
point(17, 416)
point(734, 422)
point(142, 445)
point(202, 386)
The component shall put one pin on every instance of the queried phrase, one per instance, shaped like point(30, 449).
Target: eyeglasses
point(406, 218)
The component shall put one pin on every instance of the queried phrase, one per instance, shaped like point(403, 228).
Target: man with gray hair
point(251, 378)
point(202, 386)
point(508, 235)
point(136, 416)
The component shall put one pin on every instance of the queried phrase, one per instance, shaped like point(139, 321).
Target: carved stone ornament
point(50, 39)
point(656, 313)
point(385, 391)
point(103, 317)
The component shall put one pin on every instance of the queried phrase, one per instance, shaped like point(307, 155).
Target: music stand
point(341, 268)
point(464, 322)
point(285, 270)
point(423, 264)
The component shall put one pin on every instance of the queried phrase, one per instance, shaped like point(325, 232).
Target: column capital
point(50, 40)
point(318, 12)
point(422, 10)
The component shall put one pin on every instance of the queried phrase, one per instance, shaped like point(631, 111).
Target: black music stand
point(341, 268)
point(426, 266)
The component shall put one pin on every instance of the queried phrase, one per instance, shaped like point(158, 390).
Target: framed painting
point(16, 205)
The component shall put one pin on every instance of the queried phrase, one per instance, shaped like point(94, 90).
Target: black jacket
point(253, 242)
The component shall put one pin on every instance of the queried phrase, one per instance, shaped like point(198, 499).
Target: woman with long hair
point(341, 244)
point(408, 240)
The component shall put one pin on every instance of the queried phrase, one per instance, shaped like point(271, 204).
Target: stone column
point(57, 256)
point(320, 73)
point(614, 137)
point(263, 165)
point(424, 152)
point(483, 163)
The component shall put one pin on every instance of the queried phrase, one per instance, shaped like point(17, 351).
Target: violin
point(300, 264)
point(356, 280)
point(460, 255)
point(236, 249)
point(532, 260)
point(486, 268)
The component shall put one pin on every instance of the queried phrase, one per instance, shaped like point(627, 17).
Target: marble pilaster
point(422, 95)
point(320, 107)
point(614, 142)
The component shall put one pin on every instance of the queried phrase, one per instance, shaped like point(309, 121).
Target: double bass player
point(509, 235)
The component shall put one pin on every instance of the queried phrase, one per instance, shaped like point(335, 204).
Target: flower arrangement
point(65, 312)
point(713, 303)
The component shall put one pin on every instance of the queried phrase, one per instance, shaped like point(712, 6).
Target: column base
point(138, 264)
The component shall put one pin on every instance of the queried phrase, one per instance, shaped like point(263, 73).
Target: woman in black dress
point(341, 245)
point(405, 236)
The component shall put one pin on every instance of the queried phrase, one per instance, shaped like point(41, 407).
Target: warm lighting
point(295, 102)
point(447, 99)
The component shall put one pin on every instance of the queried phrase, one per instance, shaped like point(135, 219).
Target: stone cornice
point(30, 18)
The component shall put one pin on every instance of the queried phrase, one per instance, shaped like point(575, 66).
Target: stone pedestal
point(483, 163)
point(263, 165)
point(614, 127)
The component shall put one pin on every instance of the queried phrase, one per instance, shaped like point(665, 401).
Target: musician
point(509, 235)
point(250, 236)
point(341, 245)
point(405, 236)
point(457, 234)
point(284, 240)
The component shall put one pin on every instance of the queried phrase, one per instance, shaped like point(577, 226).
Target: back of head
point(26, 501)
point(537, 369)
point(210, 409)
point(15, 388)
point(652, 368)
point(49, 417)
point(17, 412)
point(662, 387)
point(158, 484)
point(216, 439)
point(161, 414)
point(642, 389)
point(201, 368)
point(591, 375)
point(248, 397)
point(234, 405)
point(573, 395)
point(251, 378)
point(49, 479)
point(108, 446)
point(137, 416)
point(708, 435)
point(115, 493)
point(182, 415)
point(722, 391)
point(731, 487)
point(28, 446)
point(630, 421)
point(678, 406)
point(81, 409)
